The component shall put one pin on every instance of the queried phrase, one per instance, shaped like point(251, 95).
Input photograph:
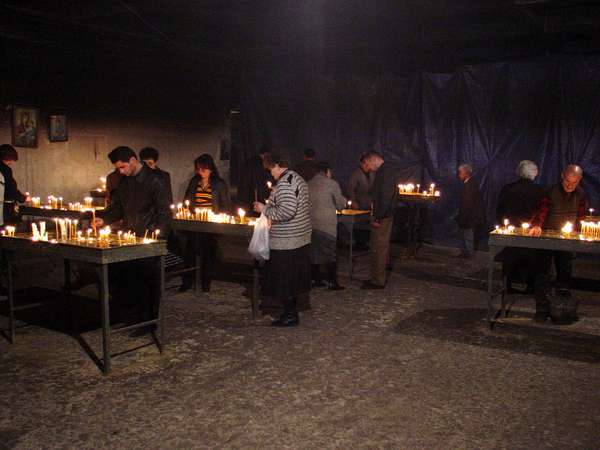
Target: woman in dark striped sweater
point(287, 273)
point(205, 190)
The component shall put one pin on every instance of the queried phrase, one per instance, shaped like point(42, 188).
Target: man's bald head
point(571, 176)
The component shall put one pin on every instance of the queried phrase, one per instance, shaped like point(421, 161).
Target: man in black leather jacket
point(141, 200)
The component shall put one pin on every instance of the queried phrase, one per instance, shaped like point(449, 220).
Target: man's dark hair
point(309, 153)
point(206, 161)
point(264, 149)
point(279, 158)
point(8, 153)
point(122, 154)
point(149, 153)
point(323, 166)
point(372, 154)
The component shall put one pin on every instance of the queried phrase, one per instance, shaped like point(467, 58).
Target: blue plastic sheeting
point(490, 116)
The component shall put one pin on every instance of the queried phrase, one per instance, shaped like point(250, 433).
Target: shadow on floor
point(519, 335)
point(441, 278)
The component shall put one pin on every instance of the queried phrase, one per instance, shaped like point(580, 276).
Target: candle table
point(349, 218)
point(502, 238)
point(13, 247)
point(198, 227)
point(415, 203)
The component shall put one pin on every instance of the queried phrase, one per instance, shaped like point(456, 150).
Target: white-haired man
point(517, 203)
point(563, 202)
point(471, 211)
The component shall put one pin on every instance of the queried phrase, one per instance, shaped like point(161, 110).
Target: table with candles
point(416, 200)
point(199, 221)
point(98, 247)
point(57, 208)
point(350, 218)
point(586, 240)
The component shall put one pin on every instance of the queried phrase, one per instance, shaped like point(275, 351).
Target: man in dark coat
point(253, 180)
point(12, 195)
point(309, 167)
point(384, 201)
point(517, 203)
point(471, 211)
point(564, 202)
point(141, 201)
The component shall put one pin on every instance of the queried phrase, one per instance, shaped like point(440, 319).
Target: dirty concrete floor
point(412, 366)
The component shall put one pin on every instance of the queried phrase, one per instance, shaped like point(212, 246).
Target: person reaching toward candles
point(564, 202)
point(517, 203)
point(287, 272)
point(206, 189)
point(12, 195)
point(141, 201)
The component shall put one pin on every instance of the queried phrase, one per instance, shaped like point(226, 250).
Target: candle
point(349, 204)
point(269, 185)
point(436, 193)
point(567, 229)
point(94, 223)
point(242, 214)
point(119, 233)
point(506, 222)
point(56, 226)
point(524, 227)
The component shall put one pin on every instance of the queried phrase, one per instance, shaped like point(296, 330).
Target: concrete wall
point(71, 169)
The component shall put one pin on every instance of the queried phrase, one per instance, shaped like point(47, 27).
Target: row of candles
point(412, 189)
point(183, 211)
point(66, 231)
point(57, 203)
point(589, 231)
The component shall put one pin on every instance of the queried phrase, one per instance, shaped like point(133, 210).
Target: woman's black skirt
point(287, 273)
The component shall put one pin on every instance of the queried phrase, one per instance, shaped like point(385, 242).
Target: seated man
point(564, 202)
point(517, 203)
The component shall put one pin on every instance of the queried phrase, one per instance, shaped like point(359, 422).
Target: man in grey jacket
point(325, 198)
point(359, 186)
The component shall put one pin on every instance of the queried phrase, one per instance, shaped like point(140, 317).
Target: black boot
point(290, 317)
point(334, 285)
point(317, 279)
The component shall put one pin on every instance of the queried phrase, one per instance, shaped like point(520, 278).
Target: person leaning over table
point(141, 201)
point(287, 272)
point(517, 203)
point(564, 202)
point(12, 195)
point(359, 193)
point(206, 189)
point(325, 199)
point(384, 195)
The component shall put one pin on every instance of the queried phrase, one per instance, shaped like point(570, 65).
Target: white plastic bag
point(259, 244)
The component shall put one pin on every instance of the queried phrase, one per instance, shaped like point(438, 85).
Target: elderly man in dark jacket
point(471, 211)
point(384, 201)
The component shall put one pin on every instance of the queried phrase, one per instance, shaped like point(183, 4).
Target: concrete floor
point(412, 366)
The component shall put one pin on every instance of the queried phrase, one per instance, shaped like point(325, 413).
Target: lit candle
point(349, 204)
point(524, 227)
point(567, 229)
point(506, 222)
point(242, 214)
point(269, 185)
point(119, 233)
point(436, 193)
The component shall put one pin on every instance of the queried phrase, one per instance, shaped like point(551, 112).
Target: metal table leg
point(68, 300)
point(197, 263)
point(491, 317)
point(11, 301)
point(104, 302)
point(161, 298)
point(351, 255)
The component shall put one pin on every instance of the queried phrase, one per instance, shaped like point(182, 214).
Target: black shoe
point(287, 320)
point(370, 285)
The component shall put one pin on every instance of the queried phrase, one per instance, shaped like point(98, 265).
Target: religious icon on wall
point(25, 120)
point(58, 128)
